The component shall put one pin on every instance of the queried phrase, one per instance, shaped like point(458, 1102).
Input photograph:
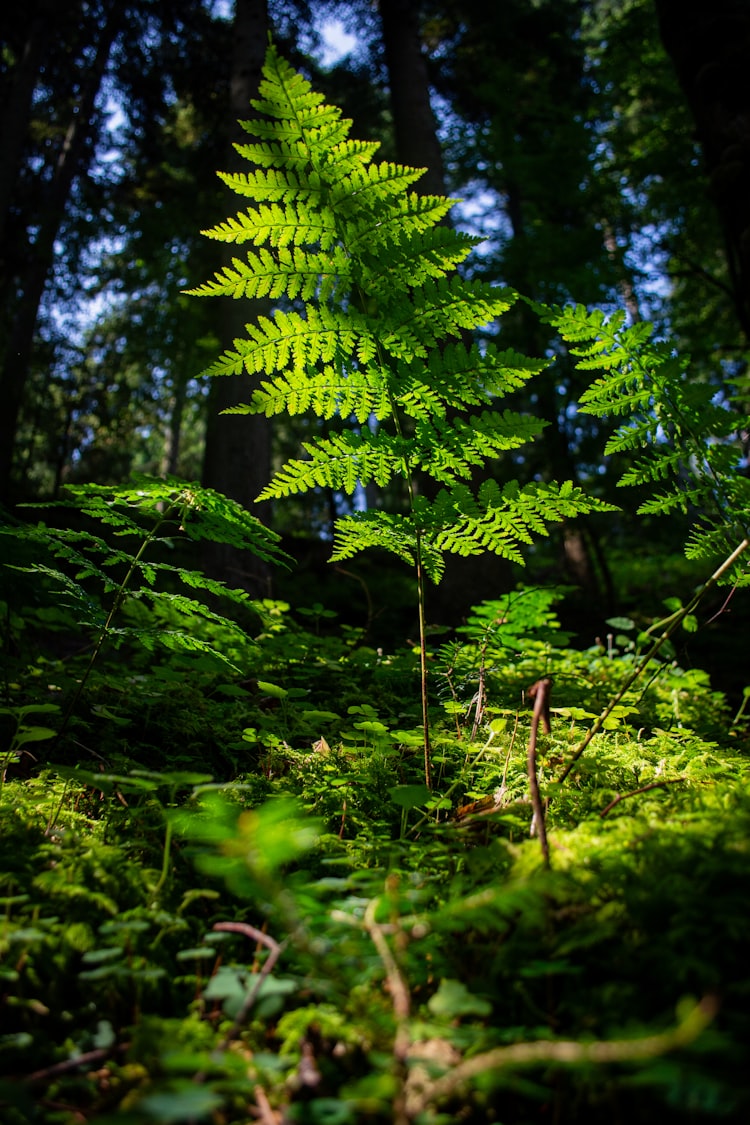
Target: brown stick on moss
point(540, 693)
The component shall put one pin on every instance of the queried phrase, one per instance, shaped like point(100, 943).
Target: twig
point(510, 751)
point(481, 696)
point(539, 692)
point(266, 1114)
point(570, 1052)
point(401, 1007)
point(72, 1064)
point(719, 612)
point(274, 952)
point(672, 624)
point(636, 792)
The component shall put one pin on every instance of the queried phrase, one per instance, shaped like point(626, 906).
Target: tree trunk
point(578, 540)
point(15, 118)
point(709, 45)
point(414, 125)
point(17, 359)
point(237, 456)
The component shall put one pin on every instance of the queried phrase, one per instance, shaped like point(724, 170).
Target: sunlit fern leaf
point(369, 326)
point(694, 443)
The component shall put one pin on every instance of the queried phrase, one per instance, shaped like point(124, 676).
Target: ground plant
point(257, 868)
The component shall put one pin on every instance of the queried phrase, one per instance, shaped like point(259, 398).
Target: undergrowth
point(240, 882)
point(306, 928)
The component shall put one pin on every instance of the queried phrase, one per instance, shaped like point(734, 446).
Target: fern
point(369, 326)
point(96, 577)
point(689, 443)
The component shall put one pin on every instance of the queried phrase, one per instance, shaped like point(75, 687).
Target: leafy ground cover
point(259, 868)
point(228, 895)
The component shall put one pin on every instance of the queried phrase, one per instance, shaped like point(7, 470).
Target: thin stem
point(459, 780)
point(104, 631)
point(674, 621)
point(165, 860)
point(637, 792)
point(540, 694)
point(567, 1052)
point(274, 948)
point(419, 566)
point(423, 663)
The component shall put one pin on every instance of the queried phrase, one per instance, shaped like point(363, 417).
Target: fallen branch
point(266, 1115)
point(635, 792)
point(72, 1064)
point(672, 622)
point(569, 1052)
point(401, 1006)
point(540, 693)
point(274, 952)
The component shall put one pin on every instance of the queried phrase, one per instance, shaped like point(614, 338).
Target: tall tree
point(237, 458)
point(513, 75)
point(414, 126)
point(710, 47)
point(78, 191)
point(67, 159)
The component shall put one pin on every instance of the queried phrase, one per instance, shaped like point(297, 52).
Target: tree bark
point(237, 456)
point(709, 45)
point(414, 124)
point(15, 118)
point(68, 165)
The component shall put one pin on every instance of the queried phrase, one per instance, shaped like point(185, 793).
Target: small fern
point(96, 576)
point(370, 326)
point(686, 443)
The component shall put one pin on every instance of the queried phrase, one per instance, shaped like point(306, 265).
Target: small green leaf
point(183, 1101)
point(33, 734)
point(621, 623)
point(454, 999)
point(272, 689)
point(409, 796)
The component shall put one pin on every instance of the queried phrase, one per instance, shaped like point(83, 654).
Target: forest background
point(599, 169)
point(602, 151)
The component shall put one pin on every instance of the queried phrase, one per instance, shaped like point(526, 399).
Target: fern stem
point(104, 631)
point(419, 567)
point(423, 661)
point(674, 621)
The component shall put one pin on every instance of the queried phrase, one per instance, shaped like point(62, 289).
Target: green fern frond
point(500, 520)
point(292, 273)
point(370, 272)
point(635, 435)
point(271, 186)
point(397, 534)
point(362, 394)
point(692, 441)
point(447, 450)
point(433, 253)
point(322, 335)
point(340, 461)
point(369, 326)
point(648, 470)
point(396, 227)
point(291, 224)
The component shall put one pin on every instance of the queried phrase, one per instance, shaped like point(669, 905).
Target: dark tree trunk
point(466, 581)
point(14, 123)
point(68, 165)
point(579, 547)
point(237, 457)
point(709, 44)
point(414, 126)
